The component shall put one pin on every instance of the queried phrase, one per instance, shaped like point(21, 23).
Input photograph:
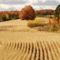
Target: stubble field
point(19, 42)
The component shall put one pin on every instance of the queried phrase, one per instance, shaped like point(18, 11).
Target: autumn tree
point(27, 13)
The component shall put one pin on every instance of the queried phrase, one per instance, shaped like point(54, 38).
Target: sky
point(36, 4)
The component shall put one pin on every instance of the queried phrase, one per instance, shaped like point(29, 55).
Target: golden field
point(19, 42)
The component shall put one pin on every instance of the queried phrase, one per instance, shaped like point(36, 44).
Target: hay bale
point(27, 13)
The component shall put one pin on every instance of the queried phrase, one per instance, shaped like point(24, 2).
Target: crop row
point(41, 50)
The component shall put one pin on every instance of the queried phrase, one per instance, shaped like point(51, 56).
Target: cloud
point(13, 1)
point(47, 2)
point(43, 1)
point(21, 3)
point(51, 2)
point(58, 1)
point(36, 2)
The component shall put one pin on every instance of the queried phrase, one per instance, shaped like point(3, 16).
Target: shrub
point(42, 26)
point(55, 27)
point(36, 22)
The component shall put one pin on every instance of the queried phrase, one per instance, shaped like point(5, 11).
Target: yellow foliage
point(36, 22)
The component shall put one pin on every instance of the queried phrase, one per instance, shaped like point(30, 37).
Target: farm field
point(18, 25)
point(19, 42)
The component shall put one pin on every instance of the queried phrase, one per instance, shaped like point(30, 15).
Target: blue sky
point(37, 4)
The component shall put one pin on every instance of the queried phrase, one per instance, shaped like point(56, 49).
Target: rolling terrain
point(16, 43)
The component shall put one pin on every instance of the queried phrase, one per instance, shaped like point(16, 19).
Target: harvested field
point(28, 45)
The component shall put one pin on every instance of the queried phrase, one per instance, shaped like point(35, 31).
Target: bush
point(13, 16)
point(39, 25)
point(6, 17)
point(35, 23)
point(54, 27)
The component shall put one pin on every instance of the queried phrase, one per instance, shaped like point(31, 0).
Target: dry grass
point(42, 24)
point(37, 22)
point(15, 25)
point(27, 45)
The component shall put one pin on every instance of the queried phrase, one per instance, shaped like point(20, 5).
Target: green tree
point(57, 13)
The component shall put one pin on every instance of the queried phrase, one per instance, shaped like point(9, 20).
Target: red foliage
point(46, 11)
point(9, 12)
point(53, 22)
point(27, 13)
